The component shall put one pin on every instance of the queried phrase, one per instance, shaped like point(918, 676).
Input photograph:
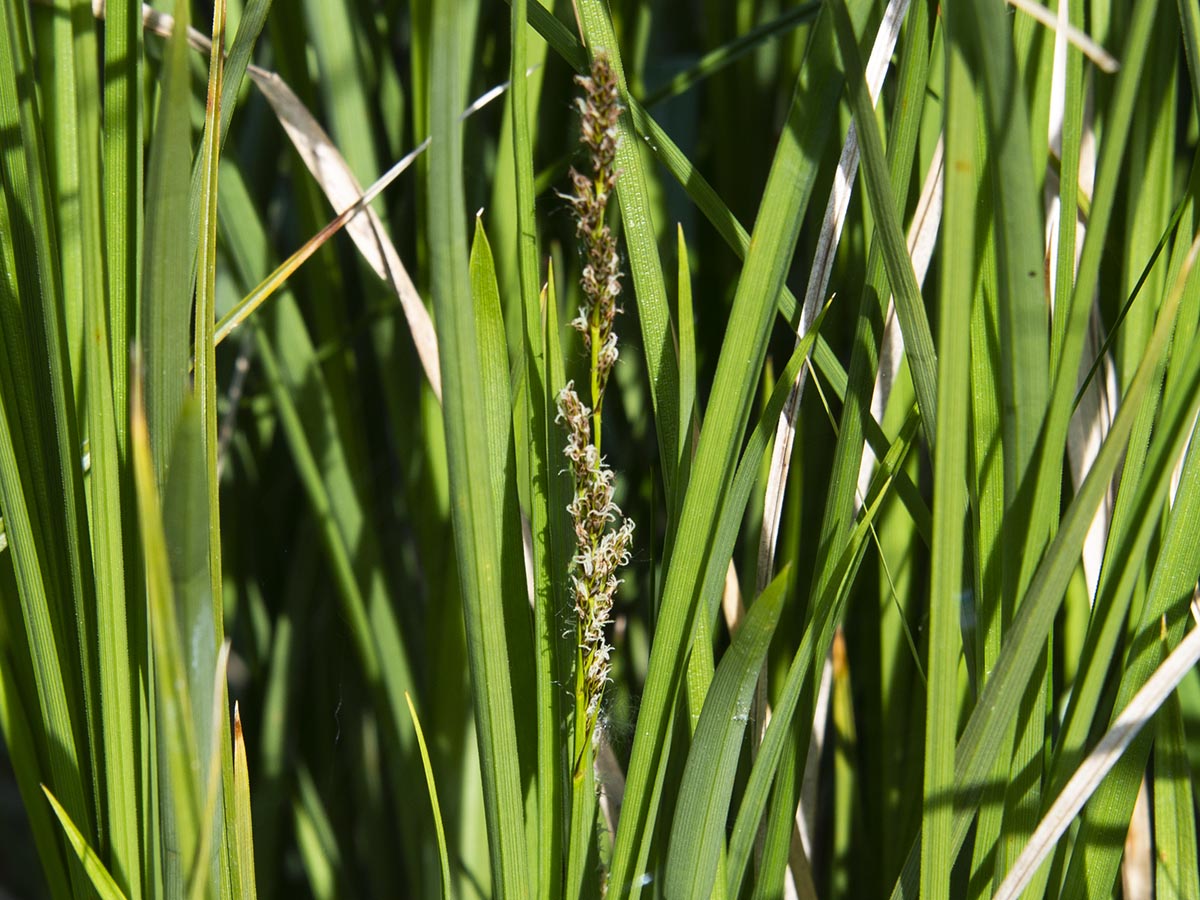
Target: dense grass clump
point(318, 571)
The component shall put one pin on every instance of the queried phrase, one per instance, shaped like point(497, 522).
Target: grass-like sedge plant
point(602, 534)
point(1006, 556)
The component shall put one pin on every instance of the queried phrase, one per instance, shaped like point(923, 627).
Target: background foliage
point(941, 542)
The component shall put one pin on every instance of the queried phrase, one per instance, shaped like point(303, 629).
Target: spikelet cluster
point(599, 549)
point(602, 535)
point(599, 111)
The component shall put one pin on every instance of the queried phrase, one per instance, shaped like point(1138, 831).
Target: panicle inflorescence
point(599, 111)
point(599, 549)
point(602, 535)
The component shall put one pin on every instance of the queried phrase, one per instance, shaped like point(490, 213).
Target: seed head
point(599, 112)
point(603, 535)
point(600, 550)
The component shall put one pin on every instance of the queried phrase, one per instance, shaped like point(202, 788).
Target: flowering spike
point(599, 111)
point(602, 535)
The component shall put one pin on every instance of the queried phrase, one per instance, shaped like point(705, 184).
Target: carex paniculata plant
point(602, 533)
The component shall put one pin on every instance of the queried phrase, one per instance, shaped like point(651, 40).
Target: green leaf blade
point(697, 834)
point(473, 509)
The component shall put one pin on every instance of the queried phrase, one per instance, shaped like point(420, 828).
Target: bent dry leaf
point(1087, 778)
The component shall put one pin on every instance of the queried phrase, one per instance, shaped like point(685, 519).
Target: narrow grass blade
point(785, 201)
point(918, 341)
point(1176, 866)
point(1075, 312)
point(190, 616)
point(174, 710)
point(922, 238)
point(1162, 617)
point(102, 881)
point(699, 673)
point(41, 484)
point(721, 57)
point(66, 49)
point(493, 373)
point(747, 475)
point(1024, 341)
point(120, 726)
point(522, 147)
point(246, 885)
point(223, 93)
point(495, 397)
point(991, 612)
point(818, 282)
point(19, 739)
point(250, 26)
point(167, 259)
point(1023, 351)
point(124, 240)
point(214, 868)
point(473, 512)
point(204, 351)
point(204, 356)
point(1149, 191)
point(1098, 763)
point(116, 759)
point(780, 823)
point(949, 493)
point(221, 100)
point(811, 652)
point(548, 490)
point(689, 425)
point(697, 834)
point(124, 198)
point(316, 840)
point(1000, 698)
point(1063, 226)
point(513, 224)
point(443, 854)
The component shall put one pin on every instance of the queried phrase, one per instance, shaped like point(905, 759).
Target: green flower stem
point(597, 387)
point(582, 735)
